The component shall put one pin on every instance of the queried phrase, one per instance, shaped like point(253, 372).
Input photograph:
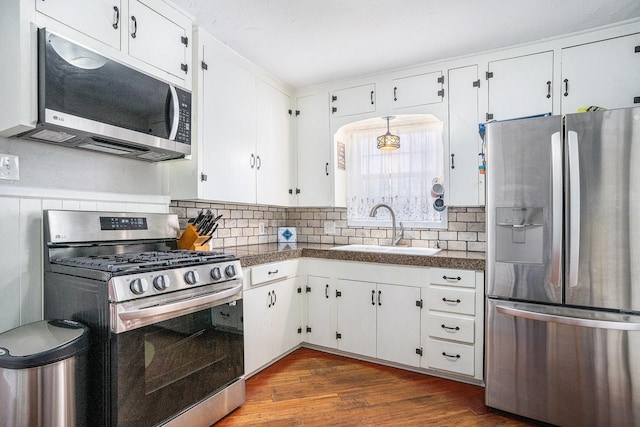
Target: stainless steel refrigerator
point(563, 268)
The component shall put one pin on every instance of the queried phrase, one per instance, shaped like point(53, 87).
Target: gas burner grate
point(151, 260)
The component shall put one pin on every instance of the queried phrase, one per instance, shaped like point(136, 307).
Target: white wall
point(60, 178)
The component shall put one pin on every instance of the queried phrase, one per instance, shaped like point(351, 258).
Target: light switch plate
point(9, 167)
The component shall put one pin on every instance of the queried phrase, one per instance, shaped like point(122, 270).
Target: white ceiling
point(307, 42)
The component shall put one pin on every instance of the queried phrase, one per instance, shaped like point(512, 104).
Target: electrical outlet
point(9, 167)
point(329, 227)
point(261, 228)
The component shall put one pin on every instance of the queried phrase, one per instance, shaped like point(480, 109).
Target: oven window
point(166, 367)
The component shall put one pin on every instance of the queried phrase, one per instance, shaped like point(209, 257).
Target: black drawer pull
point(273, 272)
point(451, 356)
point(449, 328)
point(452, 278)
point(224, 314)
point(455, 301)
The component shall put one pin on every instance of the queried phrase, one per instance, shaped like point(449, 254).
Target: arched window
point(402, 178)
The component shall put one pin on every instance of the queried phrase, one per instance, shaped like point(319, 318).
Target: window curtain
point(401, 178)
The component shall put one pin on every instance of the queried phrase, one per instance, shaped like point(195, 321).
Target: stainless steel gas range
point(166, 342)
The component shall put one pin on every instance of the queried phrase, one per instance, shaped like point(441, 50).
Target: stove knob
point(161, 282)
point(215, 273)
point(230, 270)
point(138, 286)
point(191, 277)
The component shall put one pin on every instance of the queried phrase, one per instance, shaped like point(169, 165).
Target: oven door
point(165, 368)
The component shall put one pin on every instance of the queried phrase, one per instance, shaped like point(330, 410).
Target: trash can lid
point(41, 343)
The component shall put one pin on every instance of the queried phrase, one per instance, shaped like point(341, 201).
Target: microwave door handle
point(175, 113)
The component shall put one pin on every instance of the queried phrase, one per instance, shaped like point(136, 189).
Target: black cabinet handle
point(117, 20)
point(135, 27)
point(225, 314)
point(258, 162)
point(273, 272)
point(275, 298)
point(379, 297)
point(548, 89)
point(566, 87)
point(451, 356)
point(453, 165)
point(373, 295)
point(326, 169)
point(326, 291)
point(449, 328)
point(456, 301)
point(252, 161)
point(270, 299)
point(395, 93)
point(452, 278)
point(371, 97)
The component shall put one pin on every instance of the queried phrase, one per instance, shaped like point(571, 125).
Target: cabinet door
point(99, 19)
point(422, 89)
point(314, 150)
point(227, 137)
point(357, 317)
point(466, 184)
point(398, 324)
point(258, 348)
point(159, 38)
point(520, 87)
point(353, 100)
point(274, 150)
point(284, 317)
point(605, 74)
point(320, 294)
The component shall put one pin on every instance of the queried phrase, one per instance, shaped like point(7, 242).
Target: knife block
point(191, 240)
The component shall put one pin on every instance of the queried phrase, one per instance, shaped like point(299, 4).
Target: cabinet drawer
point(448, 356)
point(270, 272)
point(451, 328)
point(445, 276)
point(451, 300)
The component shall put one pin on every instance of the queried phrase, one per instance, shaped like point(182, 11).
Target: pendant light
point(388, 142)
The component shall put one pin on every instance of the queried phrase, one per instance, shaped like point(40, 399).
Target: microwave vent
point(52, 135)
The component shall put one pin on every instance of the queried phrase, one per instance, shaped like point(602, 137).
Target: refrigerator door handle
point(574, 208)
point(556, 212)
point(571, 321)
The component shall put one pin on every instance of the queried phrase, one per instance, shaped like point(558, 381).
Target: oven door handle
point(188, 305)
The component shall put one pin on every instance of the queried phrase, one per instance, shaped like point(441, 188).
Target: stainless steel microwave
point(86, 100)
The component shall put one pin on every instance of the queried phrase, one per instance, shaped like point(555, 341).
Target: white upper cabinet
point(353, 100)
point(417, 90)
point(314, 150)
point(159, 37)
point(604, 74)
point(274, 151)
point(241, 147)
point(99, 19)
point(466, 184)
point(521, 86)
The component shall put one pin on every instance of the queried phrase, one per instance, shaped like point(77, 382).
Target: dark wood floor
point(312, 388)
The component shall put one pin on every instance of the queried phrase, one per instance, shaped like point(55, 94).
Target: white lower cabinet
point(453, 322)
point(271, 320)
point(426, 318)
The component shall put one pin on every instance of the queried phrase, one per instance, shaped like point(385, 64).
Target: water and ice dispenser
point(519, 235)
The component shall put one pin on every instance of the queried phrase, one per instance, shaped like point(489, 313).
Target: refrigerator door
point(524, 209)
point(603, 212)
point(569, 367)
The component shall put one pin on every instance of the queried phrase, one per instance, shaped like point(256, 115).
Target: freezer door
point(603, 213)
point(524, 209)
point(568, 367)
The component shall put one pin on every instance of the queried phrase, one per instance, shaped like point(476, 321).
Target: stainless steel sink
point(402, 250)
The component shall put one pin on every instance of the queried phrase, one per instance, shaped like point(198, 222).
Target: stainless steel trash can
point(41, 377)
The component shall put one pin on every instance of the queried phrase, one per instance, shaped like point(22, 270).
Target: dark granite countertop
point(271, 252)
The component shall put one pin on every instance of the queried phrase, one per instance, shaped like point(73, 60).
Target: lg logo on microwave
point(58, 118)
